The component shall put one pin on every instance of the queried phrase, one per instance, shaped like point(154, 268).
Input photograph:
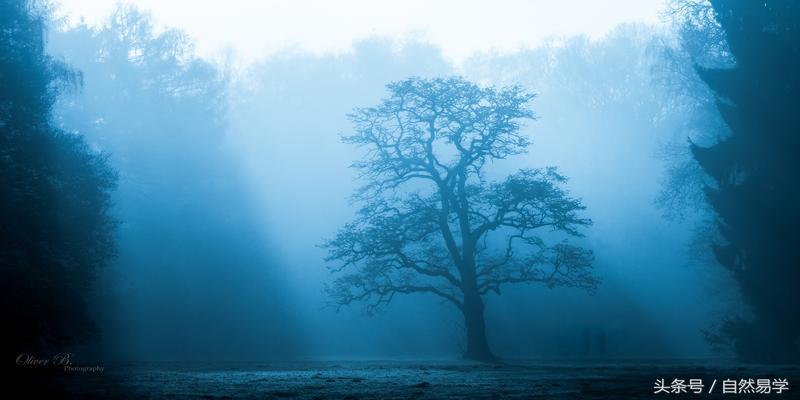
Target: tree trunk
point(477, 346)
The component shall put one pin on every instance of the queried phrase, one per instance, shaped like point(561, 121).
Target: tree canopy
point(432, 222)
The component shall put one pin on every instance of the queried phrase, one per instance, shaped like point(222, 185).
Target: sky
point(254, 30)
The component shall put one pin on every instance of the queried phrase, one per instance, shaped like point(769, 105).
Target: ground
point(408, 380)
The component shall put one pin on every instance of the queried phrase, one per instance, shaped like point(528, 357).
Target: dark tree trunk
point(477, 346)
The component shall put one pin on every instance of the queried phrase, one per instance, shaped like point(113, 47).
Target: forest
point(580, 217)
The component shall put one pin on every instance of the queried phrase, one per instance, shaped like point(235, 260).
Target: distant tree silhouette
point(189, 231)
point(431, 221)
point(55, 230)
point(755, 173)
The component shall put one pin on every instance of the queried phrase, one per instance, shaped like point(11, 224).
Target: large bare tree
point(431, 221)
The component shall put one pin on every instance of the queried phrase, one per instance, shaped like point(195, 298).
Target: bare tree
point(431, 222)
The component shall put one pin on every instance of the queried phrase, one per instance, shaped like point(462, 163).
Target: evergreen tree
point(755, 173)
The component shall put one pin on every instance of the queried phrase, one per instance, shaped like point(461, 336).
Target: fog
point(232, 174)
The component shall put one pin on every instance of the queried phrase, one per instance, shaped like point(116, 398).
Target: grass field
point(407, 380)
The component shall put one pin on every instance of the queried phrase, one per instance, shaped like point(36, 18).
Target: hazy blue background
point(228, 184)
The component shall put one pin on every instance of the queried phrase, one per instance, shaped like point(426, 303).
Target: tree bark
point(477, 345)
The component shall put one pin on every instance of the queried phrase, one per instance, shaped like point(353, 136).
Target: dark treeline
point(754, 169)
point(55, 227)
